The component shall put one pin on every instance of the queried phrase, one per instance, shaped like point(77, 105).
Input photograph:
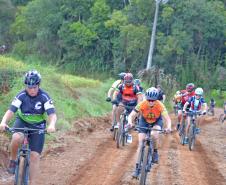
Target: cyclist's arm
point(132, 117)
point(205, 106)
point(165, 116)
point(185, 106)
point(52, 118)
point(6, 118)
point(110, 92)
point(164, 98)
point(139, 97)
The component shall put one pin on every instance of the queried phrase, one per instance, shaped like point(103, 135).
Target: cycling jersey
point(116, 84)
point(128, 93)
point(32, 109)
point(196, 104)
point(185, 96)
point(151, 114)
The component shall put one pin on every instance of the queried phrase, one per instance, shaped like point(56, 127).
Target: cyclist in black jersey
point(32, 106)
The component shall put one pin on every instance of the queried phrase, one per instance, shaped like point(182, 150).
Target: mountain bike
point(175, 108)
point(210, 111)
point(145, 154)
point(182, 128)
point(192, 129)
point(23, 155)
point(222, 118)
point(121, 130)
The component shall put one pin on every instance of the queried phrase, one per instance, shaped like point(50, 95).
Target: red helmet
point(128, 79)
point(190, 87)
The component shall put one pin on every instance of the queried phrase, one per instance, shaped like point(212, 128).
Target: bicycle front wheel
point(191, 137)
point(144, 170)
point(19, 173)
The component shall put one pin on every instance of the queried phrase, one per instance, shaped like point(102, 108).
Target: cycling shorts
point(143, 123)
point(36, 140)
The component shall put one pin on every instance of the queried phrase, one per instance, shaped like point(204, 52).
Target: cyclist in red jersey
point(127, 94)
point(185, 95)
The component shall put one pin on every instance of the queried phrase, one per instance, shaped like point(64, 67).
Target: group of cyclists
point(148, 107)
point(34, 107)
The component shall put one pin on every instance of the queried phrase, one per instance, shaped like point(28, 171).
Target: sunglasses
point(151, 100)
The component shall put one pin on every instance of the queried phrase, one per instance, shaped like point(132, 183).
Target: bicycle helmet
point(152, 94)
point(121, 75)
point(190, 87)
point(32, 78)
point(128, 79)
point(137, 81)
point(178, 93)
point(199, 91)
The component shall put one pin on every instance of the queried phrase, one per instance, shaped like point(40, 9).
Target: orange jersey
point(151, 114)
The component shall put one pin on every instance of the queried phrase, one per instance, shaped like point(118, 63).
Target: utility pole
point(152, 43)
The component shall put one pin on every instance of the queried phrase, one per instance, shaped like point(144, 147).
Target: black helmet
point(32, 78)
point(121, 75)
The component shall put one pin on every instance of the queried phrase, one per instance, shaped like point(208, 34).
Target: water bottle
point(129, 138)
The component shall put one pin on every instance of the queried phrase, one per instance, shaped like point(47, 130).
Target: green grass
point(74, 97)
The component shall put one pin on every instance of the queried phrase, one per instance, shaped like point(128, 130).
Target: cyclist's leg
point(36, 143)
point(141, 137)
point(119, 111)
point(113, 116)
point(17, 139)
point(155, 137)
point(187, 129)
point(179, 118)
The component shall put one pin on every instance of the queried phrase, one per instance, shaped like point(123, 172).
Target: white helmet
point(199, 91)
point(152, 94)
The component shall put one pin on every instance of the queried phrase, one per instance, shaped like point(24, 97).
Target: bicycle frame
point(23, 156)
point(192, 129)
point(121, 135)
point(145, 155)
point(182, 128)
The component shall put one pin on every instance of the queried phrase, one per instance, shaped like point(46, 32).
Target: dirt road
point(87, 155)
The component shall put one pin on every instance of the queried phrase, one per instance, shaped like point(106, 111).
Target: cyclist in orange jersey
point(151, 111)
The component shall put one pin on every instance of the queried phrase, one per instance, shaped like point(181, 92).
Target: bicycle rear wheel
point(182, 132)
point(221, 118)
point(191, 137)
point(19, 173)
point(144, 170)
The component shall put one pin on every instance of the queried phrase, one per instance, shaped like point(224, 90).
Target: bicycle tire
point(182, 132)
point(26, 171)
point(143, 174)
point(221, 118)
point(191, 137)
point(114, 133)
point(19, 173)
point(140, 157)
point(119, 137)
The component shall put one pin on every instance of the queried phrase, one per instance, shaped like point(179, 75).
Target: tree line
point(93, 36)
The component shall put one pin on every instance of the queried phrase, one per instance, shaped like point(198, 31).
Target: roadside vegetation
point(74, 96)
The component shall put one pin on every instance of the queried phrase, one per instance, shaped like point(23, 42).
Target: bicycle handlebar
point(25, 129)
point(151, 129)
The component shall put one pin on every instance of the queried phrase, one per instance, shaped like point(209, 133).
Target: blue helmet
point(152, 94)
point(121, 75)
point(137, 81)
point(32, 78)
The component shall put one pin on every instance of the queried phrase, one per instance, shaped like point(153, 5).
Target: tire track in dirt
point(107, 166)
